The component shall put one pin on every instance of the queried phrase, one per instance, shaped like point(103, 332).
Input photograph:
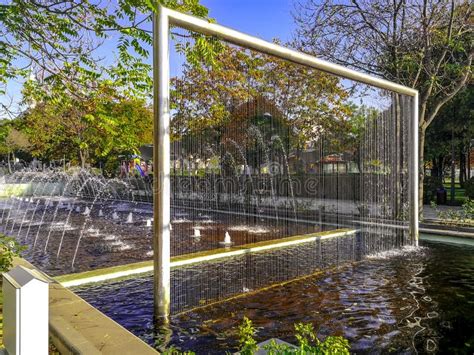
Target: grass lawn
point(459, 193)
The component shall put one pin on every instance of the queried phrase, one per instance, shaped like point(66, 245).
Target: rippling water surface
point(411, 301)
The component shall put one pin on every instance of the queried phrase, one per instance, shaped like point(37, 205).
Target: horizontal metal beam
point(211, 29)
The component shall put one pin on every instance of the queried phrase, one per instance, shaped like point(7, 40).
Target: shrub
point(468, 209)
point(247, 343)
point(9, 248)
point(430, 185)
point(469, 188)
point(308, 342)
point(465, 215)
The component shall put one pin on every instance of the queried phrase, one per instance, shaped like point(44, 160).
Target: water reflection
point(413, 301)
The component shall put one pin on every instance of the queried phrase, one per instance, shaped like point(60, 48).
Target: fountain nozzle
point(227, 240)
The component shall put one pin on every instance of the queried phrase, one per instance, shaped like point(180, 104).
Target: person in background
point(123, 170)
point(131, 167)
point(144, 167)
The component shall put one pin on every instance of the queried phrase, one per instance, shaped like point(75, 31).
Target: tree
point(86, 129)
point(425, 45)
point(454, 128)
point(216, 102)
point(12, 141)
point(57, 41)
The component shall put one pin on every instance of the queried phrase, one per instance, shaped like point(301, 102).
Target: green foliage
point(469, 188)
point(468, 209)
point(452, 128)
point(452, 216)
point(102, 124)
point(425, 45)
point(174, 351)
point(334, 345)
point(430, 185)
point(220, 101)
point(247, 343)
point(56, 43)
point(9, 248)
point(308, 342)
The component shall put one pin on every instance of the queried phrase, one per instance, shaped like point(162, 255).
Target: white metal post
point(161, 149)
point(161, 166)
point(203, 26)
point(414, 174)
point(25, 312)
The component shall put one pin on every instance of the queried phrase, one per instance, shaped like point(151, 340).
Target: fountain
point(129, 218)
point(277, 138)
point(115, 216)
point(227, 242)
point(197, 233)
point(246, 166)
point(255, 132)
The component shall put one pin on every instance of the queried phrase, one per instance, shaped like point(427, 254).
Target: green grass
point(459, 193)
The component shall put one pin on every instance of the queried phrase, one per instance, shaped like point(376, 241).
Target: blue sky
point(266, 19)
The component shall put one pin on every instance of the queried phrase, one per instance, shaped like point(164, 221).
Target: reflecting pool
point(413, 300)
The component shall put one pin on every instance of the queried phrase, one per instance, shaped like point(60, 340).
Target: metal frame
point(163, 19)
point(161, 167)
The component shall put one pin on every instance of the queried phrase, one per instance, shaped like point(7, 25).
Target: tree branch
point(461, 83)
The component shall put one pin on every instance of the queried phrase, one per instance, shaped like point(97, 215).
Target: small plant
point(468, 209)
point(9, 248)
point(247, 343)
point(466, 215)
point(308, 342)
point(174, 351)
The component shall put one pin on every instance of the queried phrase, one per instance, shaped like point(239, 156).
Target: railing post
point(413, 171)
point(161, 166)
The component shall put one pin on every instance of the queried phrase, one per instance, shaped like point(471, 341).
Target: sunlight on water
point(404, 251)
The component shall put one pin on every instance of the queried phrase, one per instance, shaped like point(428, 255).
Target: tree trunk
point(453, 168)
point(421, 159)
point(462, 167)
point(83, 154)
point(469, 161)
point(434, 167)
point(9, 163)
point(440, 167)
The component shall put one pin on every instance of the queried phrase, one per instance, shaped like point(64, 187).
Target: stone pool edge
point(142, 267)
point(75, 327)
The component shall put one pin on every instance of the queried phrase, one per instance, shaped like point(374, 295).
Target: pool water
point(52, 234)
point(416, 300)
